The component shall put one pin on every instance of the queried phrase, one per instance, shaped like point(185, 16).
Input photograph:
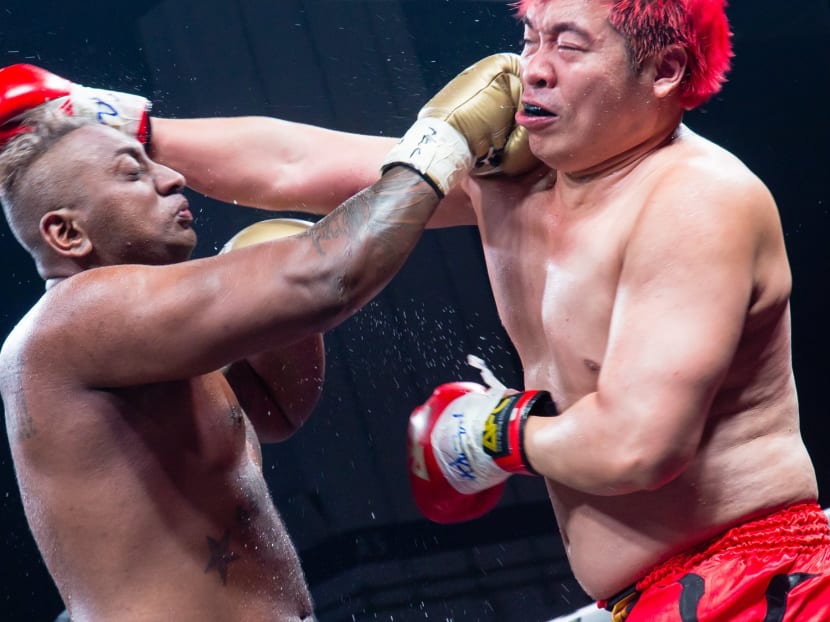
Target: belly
point(612, 542)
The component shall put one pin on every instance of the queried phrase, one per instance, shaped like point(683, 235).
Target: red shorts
point(774, 569)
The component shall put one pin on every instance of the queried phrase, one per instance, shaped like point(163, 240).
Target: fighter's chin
point(183, 250)
point(541, 148)
point(186, 252)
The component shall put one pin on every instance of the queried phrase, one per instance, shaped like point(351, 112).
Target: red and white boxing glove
point(25, 87)
point(465, 441)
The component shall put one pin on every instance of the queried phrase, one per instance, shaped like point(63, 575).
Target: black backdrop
point(367, 66)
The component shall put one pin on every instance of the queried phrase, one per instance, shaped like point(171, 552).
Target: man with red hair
point(640, 270)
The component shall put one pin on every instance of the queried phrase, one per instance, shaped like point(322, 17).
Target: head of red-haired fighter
point(700, 27)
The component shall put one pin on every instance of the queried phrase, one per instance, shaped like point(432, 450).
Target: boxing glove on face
point(468, 125)
point(25, 87)
point(481, 102)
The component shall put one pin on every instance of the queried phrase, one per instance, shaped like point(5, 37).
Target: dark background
point(367, 66)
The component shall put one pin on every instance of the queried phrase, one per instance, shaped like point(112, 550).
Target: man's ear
point(670, 70)
point(64, 234)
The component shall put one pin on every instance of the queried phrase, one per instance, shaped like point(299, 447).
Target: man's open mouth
point(532, 110)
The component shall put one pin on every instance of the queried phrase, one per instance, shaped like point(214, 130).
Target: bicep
point(130, 325)
point(679, 314)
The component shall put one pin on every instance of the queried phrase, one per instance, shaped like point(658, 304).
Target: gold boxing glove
point(475, 110)
point(265, 231)
point(293, 372)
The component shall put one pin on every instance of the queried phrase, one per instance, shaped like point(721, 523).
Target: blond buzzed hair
point(25, 199)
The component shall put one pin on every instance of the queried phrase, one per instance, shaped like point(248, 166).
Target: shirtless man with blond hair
point(138, 389)
point(641, 273)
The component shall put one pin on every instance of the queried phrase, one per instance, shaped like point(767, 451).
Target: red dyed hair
point(649, 26)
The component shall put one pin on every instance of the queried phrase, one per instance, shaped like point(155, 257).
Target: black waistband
point(619, 597)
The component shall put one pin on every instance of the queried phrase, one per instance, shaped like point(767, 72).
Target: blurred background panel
point(367, 66)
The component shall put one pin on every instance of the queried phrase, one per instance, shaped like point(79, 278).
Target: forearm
point(603, 451)
point(269, 163)
point(362, 244)
point(369, 236)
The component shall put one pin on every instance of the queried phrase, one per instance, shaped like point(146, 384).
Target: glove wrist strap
point(503, 435)
point(436, 150)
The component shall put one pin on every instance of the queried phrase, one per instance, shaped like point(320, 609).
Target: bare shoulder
point(701, 184)
point(23, 368)
point(29, 338)
point(62, 324)
point(21, 338)
point(716, 173)
point(704, 210)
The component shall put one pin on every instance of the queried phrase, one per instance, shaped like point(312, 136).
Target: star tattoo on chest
point(220, 555)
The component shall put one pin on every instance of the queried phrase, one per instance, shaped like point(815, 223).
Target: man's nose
point(167, 180)
point(537, 71)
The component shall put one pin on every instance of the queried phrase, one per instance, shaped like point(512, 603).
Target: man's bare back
point(556, 269)
point(148, 502)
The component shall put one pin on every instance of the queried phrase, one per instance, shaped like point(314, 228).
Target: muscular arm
point(274, 164)
point(687, 281)
point(269, 163)
point(129, 325)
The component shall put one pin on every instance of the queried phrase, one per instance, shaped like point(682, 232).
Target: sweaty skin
point(645, 284)
point(148, 500)
point(679, 419)
point(138, 462)
point(655, 271)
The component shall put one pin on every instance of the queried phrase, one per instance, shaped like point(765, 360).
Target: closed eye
point(130, 166)
point(129, 162)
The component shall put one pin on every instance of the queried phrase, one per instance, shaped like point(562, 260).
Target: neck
point(51, 282)
point(627, 159)
point(579, 184)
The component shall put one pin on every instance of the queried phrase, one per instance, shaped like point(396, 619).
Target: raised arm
point(166, 322)
point(255, 161)
point(260, 162)
point(275, 164)
point(160, 323)
point(269, 163)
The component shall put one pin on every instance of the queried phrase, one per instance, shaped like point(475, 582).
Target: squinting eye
point(567, 45)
